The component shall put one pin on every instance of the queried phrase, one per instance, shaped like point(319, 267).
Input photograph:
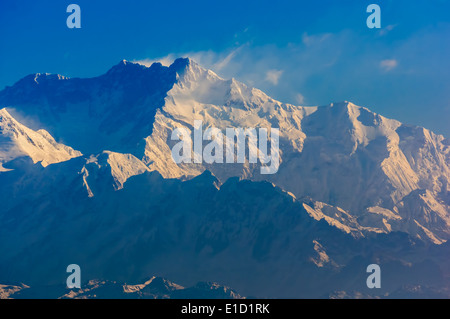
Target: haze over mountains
point(86, 177)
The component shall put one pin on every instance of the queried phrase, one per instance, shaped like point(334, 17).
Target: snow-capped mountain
point(152, 288)
point(340, 154)
point(349, 182)
point(386, 175)
point(16, 140)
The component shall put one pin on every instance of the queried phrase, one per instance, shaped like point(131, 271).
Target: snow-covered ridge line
point(17, 140)
point(385, 176)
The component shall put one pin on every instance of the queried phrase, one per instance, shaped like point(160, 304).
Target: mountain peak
point(125, 66)
point(181, 64)
point(19, 140)
point(40, 78)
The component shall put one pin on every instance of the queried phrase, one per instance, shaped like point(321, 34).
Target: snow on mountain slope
point(365, 170)
point(17, 140)
point(117, 107)
point(121, 166)
point(253, 236)
point(200, 94)
point(153, 288)
point(340, 154)
point(6, 291)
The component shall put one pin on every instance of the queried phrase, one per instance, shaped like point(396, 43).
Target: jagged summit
point(182, 63)
point(122, 67)
point(342, 154)
point(125, 66)
point(178, 65)
point(28, 84)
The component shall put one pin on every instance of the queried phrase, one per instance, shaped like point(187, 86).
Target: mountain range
point(151, 288)
point(87, 177)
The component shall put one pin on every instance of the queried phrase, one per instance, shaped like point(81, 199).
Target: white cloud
point(224, 62)
point(166, 61)
point(335, 67)
point(208, 59)
point(387, 29)
point(309, 40)
point(388, 65)
point(300, 99)
point(273, 76)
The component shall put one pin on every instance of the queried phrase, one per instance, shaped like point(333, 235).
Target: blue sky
point(307, 53)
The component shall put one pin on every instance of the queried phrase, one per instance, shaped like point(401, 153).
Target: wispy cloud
point(309, 40)
point(300, 99)
point(273, 76)
point(166, 60)
point(388, 65)
point(216, 61)
point(387, 29)
point(224, 62)
point(336, 67)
